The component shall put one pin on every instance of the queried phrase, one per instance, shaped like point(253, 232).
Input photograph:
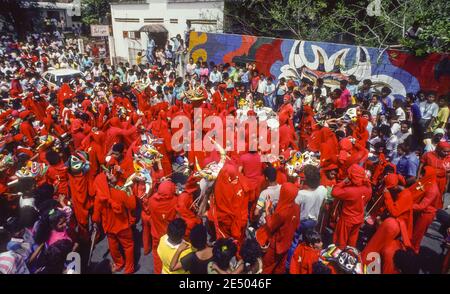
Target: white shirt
point(401, 115)
point(428, 110)
point(310, 202)
point(375, 109)
point(271, 193)
point(261, 86)
point(215, 77)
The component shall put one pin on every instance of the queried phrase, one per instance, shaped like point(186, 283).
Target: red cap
point(443, 145)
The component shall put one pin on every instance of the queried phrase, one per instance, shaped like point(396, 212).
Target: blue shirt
point(353, 89)
point(415, 110)
point(407, 165)
point(177, 91)
point(245, 77)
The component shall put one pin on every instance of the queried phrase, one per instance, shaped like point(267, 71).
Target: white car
point(55, 77)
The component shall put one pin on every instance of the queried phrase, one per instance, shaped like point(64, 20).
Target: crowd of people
point(92, 158)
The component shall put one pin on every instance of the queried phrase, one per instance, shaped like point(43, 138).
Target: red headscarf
point(392, 180)
point(345, 144)
point(288, 193)
point(357, 175)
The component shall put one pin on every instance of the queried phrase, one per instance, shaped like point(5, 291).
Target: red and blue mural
point(400, 71)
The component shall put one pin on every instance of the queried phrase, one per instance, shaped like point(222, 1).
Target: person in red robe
point(307, 126)
point(306, 254)
point(350, 153)
point(78, 130)
point(51, 124)
point(287, 135)
point(160, 129)
point(111, 210)
point(26, 127)
point(360, 132)
point(57, 174)
point(399, 205)
point(115, 133)
point(94, 146)
point(252, 168)
point(184, 205)
point(37, 105)
point(78, 186)
point(280, 228)
point(162, 207)
point(354, 192)
point(425, 209)
point(230, 203)
point(440, 160)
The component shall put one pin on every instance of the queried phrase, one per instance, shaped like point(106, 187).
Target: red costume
point(441, 165)
point(280, 227)
point(425, 209)
point(111, 209)
point(162, 207)
point(184, 205)
point(354, 196)
point(79, 184)
point(303, 259)
point(230, 207)
point(399, 223)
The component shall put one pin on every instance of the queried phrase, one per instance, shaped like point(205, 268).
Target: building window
point(203, 21)
point(134, 35)
point(126, 19)
point(173, 20)
point(154, 20)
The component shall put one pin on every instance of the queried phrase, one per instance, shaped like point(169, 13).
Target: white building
point(132, 21)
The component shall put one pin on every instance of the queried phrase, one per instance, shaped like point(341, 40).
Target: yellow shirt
point(166, 251)
point(138, 59)
point(441, 118)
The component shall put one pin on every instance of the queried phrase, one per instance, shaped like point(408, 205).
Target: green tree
point(95, 11)
point(345, 21)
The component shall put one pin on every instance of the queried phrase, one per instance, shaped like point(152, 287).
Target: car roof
point(64, 72)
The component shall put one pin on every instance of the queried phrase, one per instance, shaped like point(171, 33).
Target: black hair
point(385, 130)
point(118, 147)
point(176, 230)
point(67, 102)
point(43, 196)
point(250, 252)
point(406, 261)
point(48, 222)
point(224, 250)
point(312, 237)
point(52, 157)
point(405, 122)
point(54, 257)
point(312, 176)
point(270, 173)
point(199, 237)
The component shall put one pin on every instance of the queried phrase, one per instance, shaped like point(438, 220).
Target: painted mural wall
point(400, 71)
